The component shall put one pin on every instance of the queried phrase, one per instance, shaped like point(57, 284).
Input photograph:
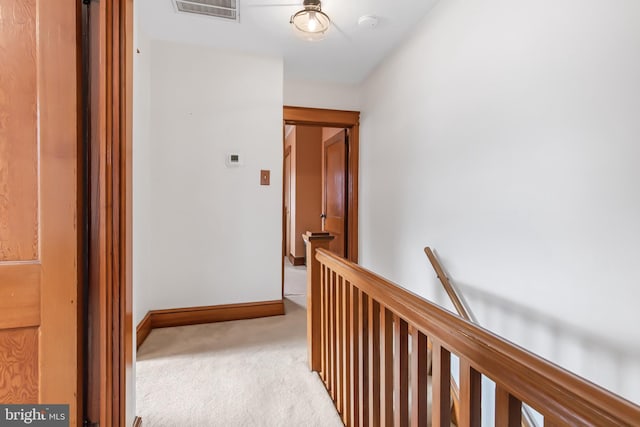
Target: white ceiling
point(345, 56)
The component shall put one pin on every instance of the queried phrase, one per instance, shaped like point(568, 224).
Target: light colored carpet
point(241, 373)
point(295, 279)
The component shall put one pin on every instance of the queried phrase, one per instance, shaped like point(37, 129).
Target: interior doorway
point(320, 187)
point(315, 188)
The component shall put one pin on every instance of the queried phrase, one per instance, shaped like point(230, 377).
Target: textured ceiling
point(347, 55)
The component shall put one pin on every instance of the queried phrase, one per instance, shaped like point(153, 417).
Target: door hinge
point(86, 1)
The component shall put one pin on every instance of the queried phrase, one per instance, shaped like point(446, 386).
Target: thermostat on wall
point(234, 160)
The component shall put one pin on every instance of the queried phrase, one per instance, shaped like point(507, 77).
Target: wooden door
point(334, 191)
point(39, 164)
point(287, 201)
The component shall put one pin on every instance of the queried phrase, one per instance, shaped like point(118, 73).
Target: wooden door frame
point(337, 119)
point(109, 68)
point(287, 152)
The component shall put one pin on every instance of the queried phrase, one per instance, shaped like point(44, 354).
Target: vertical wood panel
point(58, 117)
point(19, 365)
point(386, 363)
point(508, 409)
point(364, 359)
point(419, 374)
point(355, 355)
point(470, 395)
point(374, 362)
point(19, 295)
point(441, 368)
point(346, 343)
point(401, 372)
point(18, 132)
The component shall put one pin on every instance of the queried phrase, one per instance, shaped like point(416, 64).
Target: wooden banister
point(560, 396)
point(448, 287)
point(463, 311)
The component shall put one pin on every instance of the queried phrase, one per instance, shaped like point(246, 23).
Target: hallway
point(240, 373)
point(295, 282)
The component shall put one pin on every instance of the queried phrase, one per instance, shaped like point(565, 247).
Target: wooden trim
point(320, 117)
point(208, 314)
point(341, 119)
point(110, 385)
point(143, 330)
point(296, 260)
point(353, 158)
point(137, 422)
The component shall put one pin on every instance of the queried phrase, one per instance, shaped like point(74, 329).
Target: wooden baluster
point(327, 334)
point(338, 384)
point(332, 336)
point(470, 395)
point(419, 375)
point(508, 409)
point(374, 363)
point(355, 356)
point(323, 324)
point(386, 363)
point(346, 360)
point(400, 373)
point(314, 242)
point(441, 386)
point(363, 333)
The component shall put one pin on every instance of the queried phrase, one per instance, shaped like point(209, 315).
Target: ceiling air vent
point(225, 9)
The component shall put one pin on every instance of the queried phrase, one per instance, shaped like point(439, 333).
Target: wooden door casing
point(334, 191)
point(110, 382)
point(39, 203)
point(349, 120)
point(287, 200)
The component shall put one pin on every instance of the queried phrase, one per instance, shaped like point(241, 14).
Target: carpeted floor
point(295, 279)
point(242, 373)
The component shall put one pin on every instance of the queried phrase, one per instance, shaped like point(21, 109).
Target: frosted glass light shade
point(311, 24)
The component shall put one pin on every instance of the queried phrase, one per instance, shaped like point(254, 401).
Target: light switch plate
point(265, 177)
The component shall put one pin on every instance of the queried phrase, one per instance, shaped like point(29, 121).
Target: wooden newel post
point(314, 240)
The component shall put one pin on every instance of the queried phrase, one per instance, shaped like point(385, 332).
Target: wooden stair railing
point(464, 312)
point(368, 341)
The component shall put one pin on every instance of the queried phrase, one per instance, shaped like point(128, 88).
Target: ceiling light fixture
point(311, 23)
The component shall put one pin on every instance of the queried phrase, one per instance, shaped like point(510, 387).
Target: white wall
point(208, 234)
point(142, 212)
point(506, 136)
point(141, 180)
point(313, 94)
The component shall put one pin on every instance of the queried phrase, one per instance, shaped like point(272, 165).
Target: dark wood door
point(39, 221)
point(334, 191)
